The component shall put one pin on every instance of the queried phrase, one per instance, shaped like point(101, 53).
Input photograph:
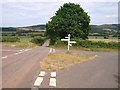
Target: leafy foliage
point(38, 40)
point(69, 19)
point(90, 44)
point(10, 39)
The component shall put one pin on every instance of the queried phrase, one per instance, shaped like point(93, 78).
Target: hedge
point(10, 39)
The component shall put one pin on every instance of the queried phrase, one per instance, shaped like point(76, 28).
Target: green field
point(100, 38)
point(25, 42)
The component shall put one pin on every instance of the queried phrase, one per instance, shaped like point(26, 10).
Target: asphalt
point(102, 72)
point(21, 71)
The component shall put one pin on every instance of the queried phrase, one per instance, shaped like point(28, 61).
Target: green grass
point(87, 45)
point(85, 49)
point(100, 38)
point(25, 42)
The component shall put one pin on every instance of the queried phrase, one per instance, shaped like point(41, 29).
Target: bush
point(99, 44)
point(10, 39)
point(38, 40)
point(91, 44)
point(60, 43)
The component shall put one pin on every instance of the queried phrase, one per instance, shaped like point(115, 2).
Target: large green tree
point(69, 19)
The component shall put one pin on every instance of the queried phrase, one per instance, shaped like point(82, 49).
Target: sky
point(19, 13)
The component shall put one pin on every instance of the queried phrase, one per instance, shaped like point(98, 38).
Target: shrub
point(60, 43)
point(99, 44)
point(90, 44)
point(38, 40)
point(10, 39)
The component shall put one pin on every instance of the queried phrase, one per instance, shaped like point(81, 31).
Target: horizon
point(45, 24)
point(37, 13)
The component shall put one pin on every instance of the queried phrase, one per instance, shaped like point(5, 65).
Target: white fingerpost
point(69, 42)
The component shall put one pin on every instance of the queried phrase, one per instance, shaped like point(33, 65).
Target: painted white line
point(50, 50)
point(26, 50)
point(42, 73)
point(21, 50)
point(38, 81)
point(16, 53)
point(53, 74)
point(52, 82)
point(53, 50)
point(4, 57)
point(96, 55)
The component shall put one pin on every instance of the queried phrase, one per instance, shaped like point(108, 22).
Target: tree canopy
point(69, 19)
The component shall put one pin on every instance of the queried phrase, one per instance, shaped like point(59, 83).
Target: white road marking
point(52, 82)
point(53, 74)
point(42, 73)
point(38, 81)
point(53, 50)
point(21, 50)
point(4, 57)
point(16, 53)
point(50, 50)
point(26, 49)
point(96, 55)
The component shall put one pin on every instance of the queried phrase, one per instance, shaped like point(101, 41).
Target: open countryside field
point(100, 38)
point(25, 42)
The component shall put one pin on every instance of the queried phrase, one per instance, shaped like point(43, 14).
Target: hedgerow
point(10, 39)
point(91, 44)
point(38, 40)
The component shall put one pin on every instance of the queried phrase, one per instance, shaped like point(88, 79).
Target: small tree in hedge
point(69, 19)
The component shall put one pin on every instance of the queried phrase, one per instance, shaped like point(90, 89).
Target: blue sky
point(33, 12)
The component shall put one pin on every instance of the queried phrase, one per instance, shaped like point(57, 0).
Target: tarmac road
point(102, 72)
point(21, 70)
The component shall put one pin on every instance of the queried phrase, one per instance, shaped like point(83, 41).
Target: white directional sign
point(69, 42)
point(72, 41)
point(64, 39)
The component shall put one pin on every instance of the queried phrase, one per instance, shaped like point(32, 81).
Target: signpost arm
point(68, 40)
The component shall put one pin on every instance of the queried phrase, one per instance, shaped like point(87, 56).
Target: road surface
point(19, 70)
point(22, 69)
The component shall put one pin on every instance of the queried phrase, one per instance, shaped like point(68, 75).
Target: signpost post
point(68, 40)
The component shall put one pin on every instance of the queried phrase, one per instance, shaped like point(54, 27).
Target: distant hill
point(109, 29)
point(33, 28)
point(27, 28)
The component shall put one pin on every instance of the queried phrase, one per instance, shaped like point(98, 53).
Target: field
point(99, 38)
point(25, 42)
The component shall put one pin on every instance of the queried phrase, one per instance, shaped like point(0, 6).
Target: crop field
point(100, 38)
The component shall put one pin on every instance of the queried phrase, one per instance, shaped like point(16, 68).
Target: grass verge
point(86, 49)
point(61, 60)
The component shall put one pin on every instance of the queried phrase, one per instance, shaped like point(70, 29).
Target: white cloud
point(74, 1)
point(28, 13)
